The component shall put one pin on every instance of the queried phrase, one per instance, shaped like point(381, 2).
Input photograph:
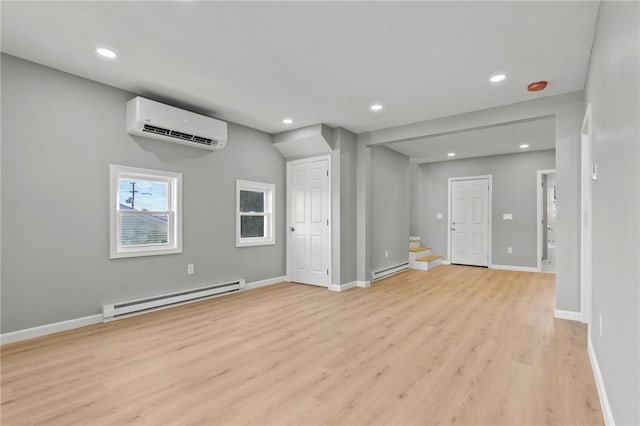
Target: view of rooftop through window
point(140, 194)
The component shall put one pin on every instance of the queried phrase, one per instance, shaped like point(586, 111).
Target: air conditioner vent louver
point(163, 122)
point(157, 130)
point(204, 140)
point(178, 135)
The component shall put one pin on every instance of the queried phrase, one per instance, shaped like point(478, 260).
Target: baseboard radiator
point(120, 310)
point(387, 272)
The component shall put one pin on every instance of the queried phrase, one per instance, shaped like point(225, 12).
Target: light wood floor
point(454, 345)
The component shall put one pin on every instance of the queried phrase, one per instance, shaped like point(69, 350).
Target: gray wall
point(389, 208)
point(346, 144)
point(613, 89)
point(59, 134)
point(568, 110)
point(514, 191)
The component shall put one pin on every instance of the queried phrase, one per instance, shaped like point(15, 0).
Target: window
point(255, 207)
point(145, 212)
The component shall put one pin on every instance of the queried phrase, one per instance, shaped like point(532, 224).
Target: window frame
point(269, 213)
point(174, 212)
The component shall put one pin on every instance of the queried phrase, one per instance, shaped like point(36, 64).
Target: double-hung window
point(145, 212)
point(255, 213)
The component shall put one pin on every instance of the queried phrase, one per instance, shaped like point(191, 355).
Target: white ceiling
point(505, 139)
point(255, 63)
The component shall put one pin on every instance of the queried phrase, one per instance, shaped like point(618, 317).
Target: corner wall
point(59, 135)
point(389, 208)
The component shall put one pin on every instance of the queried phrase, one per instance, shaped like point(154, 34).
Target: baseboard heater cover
point(129, 308)
point(391, 270)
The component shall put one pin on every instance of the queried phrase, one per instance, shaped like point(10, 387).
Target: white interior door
point(309, 244)
point(470, 222)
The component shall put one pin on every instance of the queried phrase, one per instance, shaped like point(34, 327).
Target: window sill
point(144, 253)
point(255, 243)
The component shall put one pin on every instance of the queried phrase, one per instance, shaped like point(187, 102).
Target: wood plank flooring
point(453, 345)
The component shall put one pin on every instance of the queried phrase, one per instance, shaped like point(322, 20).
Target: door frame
point(586, 218)
point(489, 214)
point(539, 215)
point(287, 218)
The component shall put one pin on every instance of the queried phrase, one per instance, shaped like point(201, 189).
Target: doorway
point(308, 225)
point(469, 236)
point(547, 214)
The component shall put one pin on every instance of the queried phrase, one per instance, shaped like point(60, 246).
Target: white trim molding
point(363, 284)
point(262, 283)
point(43, 330)
point(607, 414)
point(445, 262)
point(514, 268)
point(568, 315)
point(343, 287)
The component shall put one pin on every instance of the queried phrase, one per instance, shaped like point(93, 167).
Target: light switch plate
point(507, 216)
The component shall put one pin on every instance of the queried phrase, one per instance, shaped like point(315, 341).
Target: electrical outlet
point(600, 323)
point(386, 253)
point(507, 216)
point(190, 269)
point(510, 250)
point(438, 215)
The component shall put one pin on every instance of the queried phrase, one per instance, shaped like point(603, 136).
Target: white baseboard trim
point(262, 283)
point(43, 330)
point(602, 392)
point(514, 268)
point(363, 284)
point(568, 315)
point(56, 327)
point(445, 262)
point(343, 287)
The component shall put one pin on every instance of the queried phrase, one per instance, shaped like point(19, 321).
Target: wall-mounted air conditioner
point(155, 120)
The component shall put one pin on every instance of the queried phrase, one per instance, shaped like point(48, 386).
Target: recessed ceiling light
point(376, 107)
point(524, 145)
point(287, 121)
point(451, 154)
point(107, 53)
point(496, 78)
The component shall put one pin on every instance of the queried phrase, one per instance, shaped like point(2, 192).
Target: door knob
point(292, 229)
point(453, 229)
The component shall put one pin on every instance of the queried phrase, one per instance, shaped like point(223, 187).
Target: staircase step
point(428, 258)
point(418, 249)
point(424, 263)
